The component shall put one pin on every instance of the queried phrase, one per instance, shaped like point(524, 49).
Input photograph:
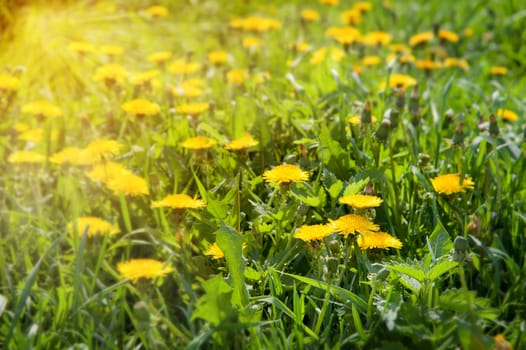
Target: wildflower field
point(249, 174)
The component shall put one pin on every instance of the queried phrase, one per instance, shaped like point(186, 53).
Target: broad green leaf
point(440, 268)
point(439, 243)
point(231, 243)
point(410, 271)
point(355, 187)
point(337, 292)
point(215, 305)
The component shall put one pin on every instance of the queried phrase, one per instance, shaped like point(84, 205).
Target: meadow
point(246, 174)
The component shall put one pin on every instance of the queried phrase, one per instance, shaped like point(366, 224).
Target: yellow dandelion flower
point(236, 76)
point(310, 15)
point(94, 225)
point(318, 56)
point(242, 143)
point(70, 155)
point(157, 11)
point(218, 57)
point(285, 173)
point(352, 17)
point(141, 107)
point(380, 240)
point(371, 61)
point(178, 201)
point(181, 66)
point(146, 77)
point(32, 135)
point(187, 89)
point(20, 127)
point(507, 115)
point(300, 46)
point(357, 120)
point(99, 150)
point(363, 6)
point(159, 57)
point(427, 65)
point(251, 42)
point(399, 48)
point(351, 224)
point(199, 142)
point(498, 70)
point(106, 171)
point(19, 157)
point(377, 38)
point(344, 35)
point(111, 73)
point(215, 252)
point(313, 232)
point(360, 201)
point(81, 47)
point(42, 108)
point(421, 38)
point(193, 109)
point(128, 184)
point(450, 183)
point(135, 269)
point(403, 58)
point(111, 50)
point(401, 81)
point(447, 35)
point(468, 32)
point(329, 2)
point(452, 62)
point(8, 82)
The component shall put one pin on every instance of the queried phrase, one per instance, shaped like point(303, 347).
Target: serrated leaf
point(231, 243)
point(215, 305)
point(404, 269)
point(440, 268)
point(355, 187)
point(439, 243)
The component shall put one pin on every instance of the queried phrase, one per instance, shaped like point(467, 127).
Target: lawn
point(206, 174)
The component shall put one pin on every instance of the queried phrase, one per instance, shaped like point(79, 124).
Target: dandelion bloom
point(193, 109)
point(8, 82)
point(218, 57)
point(329, 2)
point(300, 46)
point(501, 343)
point(128, 184)
point(42, 108)
point(199, 142)
point(179, 201)
point(285, 173)
point(242, 143)
point(81, 47)
point(181, 66)
point(94, 226)
point(310, 15)
point(135, 269)
point(111, 73)
point(363, 6)
point(352, 17)
point(468, 32)
point(446, 35)
point(451, 62)
point(215, 252)
point(145, 77)
point(401, 81)
point(236, 76)
point(450, 183)
point(141, 107)
point(498, 70)
point(371, 61)
point(380, 240)
point(111, 50)
point(377, 38)
point(399, 48)
point(19, 157)
point(344, 35)
point(99, 150)
point(107, 171)
point(421, 38)
point(357, 120)
point(67, 155)
point(507, 115)
point(403, 58)
point(187, 89)
point(361, 201)
point(351, 224)
point(157, 11)
point(427, 65)
point(32, 135)
point(313, 232)
point(159, 57)
point(251, 42)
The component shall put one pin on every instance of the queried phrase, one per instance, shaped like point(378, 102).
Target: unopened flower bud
point(458, 138)
point(493, 126)
point(383, 130)
point(332, 265)
point(449, 118)
point(461, 244)
point(366, 113)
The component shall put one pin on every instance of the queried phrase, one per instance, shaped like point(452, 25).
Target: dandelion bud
point(366, 113)
point(334, 246)
point(449, 118)
point(493, 127)
point(423, 159)
point(142, 315)
point(332, 265)
point(482, 125)
point(474, 225)
point(414, 107)
point(461, 244)
point(458, 138)
point(383, 130)
point(400, 100)
point(393, 117)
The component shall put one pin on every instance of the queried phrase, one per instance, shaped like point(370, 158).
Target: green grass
point(271, 291)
